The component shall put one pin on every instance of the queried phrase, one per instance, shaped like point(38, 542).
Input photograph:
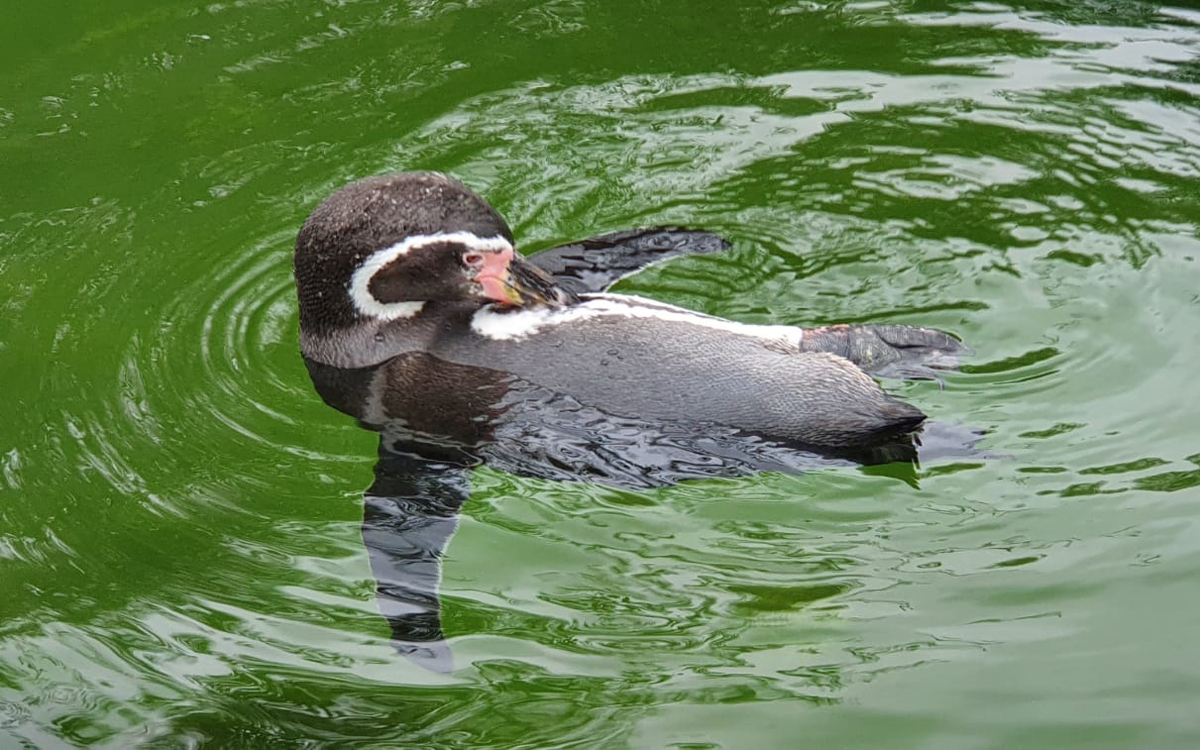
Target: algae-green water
point(180, 555)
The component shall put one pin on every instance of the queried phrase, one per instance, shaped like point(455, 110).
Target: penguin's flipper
point(593, 265)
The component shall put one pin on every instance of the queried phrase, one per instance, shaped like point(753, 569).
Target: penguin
point(417, 270)
point(419, 319)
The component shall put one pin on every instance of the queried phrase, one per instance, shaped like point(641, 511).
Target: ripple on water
point(226, 346)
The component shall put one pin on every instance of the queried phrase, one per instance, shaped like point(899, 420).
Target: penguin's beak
point(509, 279)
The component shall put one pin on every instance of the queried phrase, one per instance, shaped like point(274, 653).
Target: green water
point(180, 559)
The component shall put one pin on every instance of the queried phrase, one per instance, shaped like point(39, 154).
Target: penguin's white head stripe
point(360, 282)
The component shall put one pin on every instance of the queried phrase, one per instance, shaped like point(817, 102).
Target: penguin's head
point(381, 247)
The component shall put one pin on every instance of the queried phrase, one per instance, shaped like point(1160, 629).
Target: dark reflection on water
point(409, 515)
point(437, 420)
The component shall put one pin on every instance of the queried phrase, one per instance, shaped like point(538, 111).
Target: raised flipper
point(409, 515)
point(595, 264)
point(896, 351)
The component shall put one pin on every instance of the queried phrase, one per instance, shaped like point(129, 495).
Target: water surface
point(180, 553)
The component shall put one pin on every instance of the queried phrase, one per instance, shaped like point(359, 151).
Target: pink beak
point(493, 277)
point(509, 279)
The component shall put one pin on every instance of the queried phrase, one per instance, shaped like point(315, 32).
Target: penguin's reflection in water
point(418, 319)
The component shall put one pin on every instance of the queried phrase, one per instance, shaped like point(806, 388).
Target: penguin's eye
point(473, 259)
